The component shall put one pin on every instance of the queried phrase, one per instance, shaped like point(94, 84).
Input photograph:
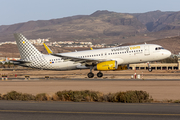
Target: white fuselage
point(123, 55)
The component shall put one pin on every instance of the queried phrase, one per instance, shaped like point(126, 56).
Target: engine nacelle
point(108, 65)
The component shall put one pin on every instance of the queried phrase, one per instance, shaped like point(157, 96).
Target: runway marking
point(102, 113)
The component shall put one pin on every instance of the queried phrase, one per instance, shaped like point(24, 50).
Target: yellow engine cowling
point(108, 65)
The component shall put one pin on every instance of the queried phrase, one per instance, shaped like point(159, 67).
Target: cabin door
point(146, 50)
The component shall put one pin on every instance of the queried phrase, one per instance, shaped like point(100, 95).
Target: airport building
point(156, 66)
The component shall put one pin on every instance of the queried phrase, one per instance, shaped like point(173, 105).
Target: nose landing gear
point(149, 67)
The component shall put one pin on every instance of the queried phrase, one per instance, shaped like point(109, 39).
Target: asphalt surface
point(20, 110)
point(84, 79)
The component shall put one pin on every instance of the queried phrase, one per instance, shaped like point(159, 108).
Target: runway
point(17, 110)
point(84, 79)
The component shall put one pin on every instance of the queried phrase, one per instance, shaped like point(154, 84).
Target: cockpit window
point(159, 48)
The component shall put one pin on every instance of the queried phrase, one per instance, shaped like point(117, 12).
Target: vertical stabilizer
point(26, 49)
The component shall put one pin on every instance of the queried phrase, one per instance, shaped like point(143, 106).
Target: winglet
point(47, 48)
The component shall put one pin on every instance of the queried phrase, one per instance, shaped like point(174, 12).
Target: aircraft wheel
point(150, 69)
point(99, 74)
point(90, 75)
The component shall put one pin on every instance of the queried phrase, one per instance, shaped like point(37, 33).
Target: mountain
point(167, 22)
point(99, 27)
point(158, 20)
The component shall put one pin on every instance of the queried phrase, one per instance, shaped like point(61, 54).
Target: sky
point(18, 11)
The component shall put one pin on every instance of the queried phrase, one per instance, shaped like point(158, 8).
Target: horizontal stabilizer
point(19, 61)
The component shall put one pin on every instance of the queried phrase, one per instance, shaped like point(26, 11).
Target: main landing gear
point(99, 74)
point(91, 74)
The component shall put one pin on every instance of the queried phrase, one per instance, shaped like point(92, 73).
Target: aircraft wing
point(81, 60)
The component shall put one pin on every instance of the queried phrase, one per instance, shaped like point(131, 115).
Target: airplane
point(98, 59)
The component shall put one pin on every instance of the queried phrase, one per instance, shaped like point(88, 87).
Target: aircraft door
point(146, 50)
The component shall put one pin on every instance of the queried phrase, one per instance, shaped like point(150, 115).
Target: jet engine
point(107, 65)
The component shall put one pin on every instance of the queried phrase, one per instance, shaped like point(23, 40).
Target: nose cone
point(168, 53)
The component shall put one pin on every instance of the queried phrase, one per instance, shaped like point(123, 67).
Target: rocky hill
point(100, 27)
point(158, 20)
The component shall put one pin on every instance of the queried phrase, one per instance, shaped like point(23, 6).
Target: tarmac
point(20, 110)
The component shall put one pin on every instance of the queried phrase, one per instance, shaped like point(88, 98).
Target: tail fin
point(26, 49)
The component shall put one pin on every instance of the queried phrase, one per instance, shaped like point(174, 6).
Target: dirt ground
point(125, 74)
point(159, 90)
